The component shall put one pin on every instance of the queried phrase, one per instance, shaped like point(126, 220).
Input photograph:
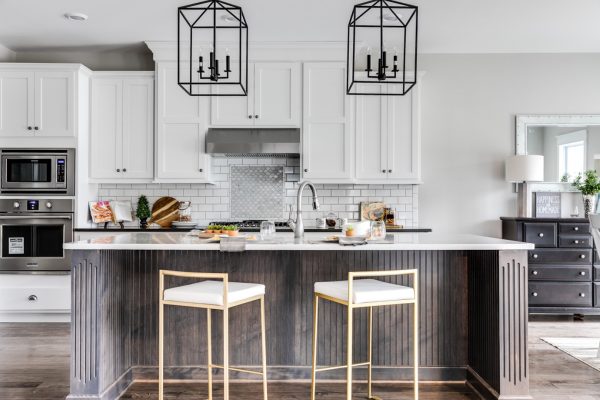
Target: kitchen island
point(473, 310)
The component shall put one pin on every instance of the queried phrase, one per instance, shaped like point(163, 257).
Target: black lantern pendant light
point(382, 48)
point(212, 49)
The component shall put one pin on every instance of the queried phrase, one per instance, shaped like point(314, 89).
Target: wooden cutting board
point(164, 211)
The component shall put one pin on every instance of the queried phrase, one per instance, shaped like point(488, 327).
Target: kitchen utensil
point(164, 211)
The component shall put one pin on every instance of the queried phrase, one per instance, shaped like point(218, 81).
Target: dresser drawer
point(597, 272)
point(575, 241)
point(38, 293)
point(574, 229)
point(559, 294)
point(560, 256)
point(597, 294)
point(542, 234)
point(569, 273)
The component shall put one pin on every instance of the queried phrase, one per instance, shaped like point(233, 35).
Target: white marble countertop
point(286, 241)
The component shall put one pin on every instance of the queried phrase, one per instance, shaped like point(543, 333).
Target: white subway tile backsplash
point(213, 201)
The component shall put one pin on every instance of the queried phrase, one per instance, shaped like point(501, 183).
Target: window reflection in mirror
point(567, 150)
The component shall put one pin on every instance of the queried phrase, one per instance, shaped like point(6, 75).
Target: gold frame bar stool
point(366, 293)
point(213, 293)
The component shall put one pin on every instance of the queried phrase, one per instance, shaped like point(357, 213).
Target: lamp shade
point(525, 168)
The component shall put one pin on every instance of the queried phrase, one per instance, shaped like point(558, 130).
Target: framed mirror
point(570, 144)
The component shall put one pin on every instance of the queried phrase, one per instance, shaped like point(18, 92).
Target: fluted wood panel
point(115, 315)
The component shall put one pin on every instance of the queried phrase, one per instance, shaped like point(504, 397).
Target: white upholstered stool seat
point(211, 292)
point(365, 291)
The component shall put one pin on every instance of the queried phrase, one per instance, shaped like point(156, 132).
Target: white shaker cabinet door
point(371, 137)
point(16, 104)
point(55, 103)
point(106, 153)
point(404, 138)
point(327, 139)
point(138, 128)
point(181, 152)
point(277, 94)
point(233, 111)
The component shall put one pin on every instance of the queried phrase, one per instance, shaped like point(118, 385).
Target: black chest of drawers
point(564, 270)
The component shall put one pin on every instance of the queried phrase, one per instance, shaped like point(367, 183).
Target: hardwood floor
point(34, 365)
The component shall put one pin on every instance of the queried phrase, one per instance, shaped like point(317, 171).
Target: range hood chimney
point(242, 141)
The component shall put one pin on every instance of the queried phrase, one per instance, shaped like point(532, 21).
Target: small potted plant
point(231, 230)
point(589, 186)
point(143, 211)
point(349, 230)
point(210, 229)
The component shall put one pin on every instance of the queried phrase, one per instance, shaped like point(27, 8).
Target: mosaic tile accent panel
point(257, 192)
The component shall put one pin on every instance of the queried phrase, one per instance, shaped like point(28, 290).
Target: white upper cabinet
point(182, 121)
point(274, 98)
point(16, 103)
point(388, 138)
point(37, 103)
point(122, 127)
point(327, 139)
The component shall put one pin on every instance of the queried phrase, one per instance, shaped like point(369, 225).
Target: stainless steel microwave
point(41, 171)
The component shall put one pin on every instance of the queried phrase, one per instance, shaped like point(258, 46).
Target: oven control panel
point(36, 205)
point(33, 205)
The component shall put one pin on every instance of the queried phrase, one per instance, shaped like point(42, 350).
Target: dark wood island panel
point(473, 317)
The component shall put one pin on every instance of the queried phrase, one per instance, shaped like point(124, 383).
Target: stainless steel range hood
point(242, 141)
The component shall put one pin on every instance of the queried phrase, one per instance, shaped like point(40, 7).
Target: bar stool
point(216, 293)
point(362, 293)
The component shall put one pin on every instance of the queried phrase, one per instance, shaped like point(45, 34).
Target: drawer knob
point(33, 297)
point(576, 241)
point(534, 272)
point(581, 294)
point(582, 273)
point(541, 235)
point(576, 228)
point(582, 256)
point(535, 256)
point(534, 294)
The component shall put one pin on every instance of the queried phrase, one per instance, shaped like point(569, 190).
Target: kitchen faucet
point(298, 226)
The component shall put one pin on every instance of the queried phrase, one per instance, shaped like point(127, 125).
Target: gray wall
point(6, 54)
point(468, 117)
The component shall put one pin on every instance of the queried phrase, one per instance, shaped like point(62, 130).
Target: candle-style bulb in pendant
point(368, 63)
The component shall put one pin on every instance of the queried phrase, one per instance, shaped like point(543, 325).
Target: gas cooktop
point(250, 223)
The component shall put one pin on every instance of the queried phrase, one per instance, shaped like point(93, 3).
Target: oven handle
point(36, 217)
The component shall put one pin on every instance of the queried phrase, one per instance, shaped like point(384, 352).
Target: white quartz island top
point(286, 241)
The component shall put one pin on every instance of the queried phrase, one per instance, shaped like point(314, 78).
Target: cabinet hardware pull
point(576, 241)
point(29, 128)
point(249, 116)
point(305, 169)
point(535, 256)
point(201, 170)
point(581, 294)
point(541, 235)
point(256, 116)
point(576, 228)
point(118, 170)
point(534, 272)
point(33, 297)
point(124, 169)
point(383, 170)
point(582, 256)
point(582, 273)
point(390, 171)
point(36, 128)
point(534, 294)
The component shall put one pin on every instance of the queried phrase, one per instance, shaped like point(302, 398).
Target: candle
point(227, 63)
point(384, 60)
point(216, 68)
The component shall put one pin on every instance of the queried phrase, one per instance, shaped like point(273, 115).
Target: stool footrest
point(341, 367)
point(237, 369)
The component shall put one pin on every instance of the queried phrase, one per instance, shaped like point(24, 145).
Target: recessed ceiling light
point(76, 17)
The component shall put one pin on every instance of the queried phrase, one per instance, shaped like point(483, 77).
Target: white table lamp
point(522, 169)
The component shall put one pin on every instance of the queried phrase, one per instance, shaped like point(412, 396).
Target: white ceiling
point(446, 26)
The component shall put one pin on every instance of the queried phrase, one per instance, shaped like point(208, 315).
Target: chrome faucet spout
point(298, 225)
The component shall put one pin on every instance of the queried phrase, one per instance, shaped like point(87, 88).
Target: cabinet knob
point(33, 297)
point(581, 294)
point(249, 116)
point(390, 171)
point(582, 256)
point(534, 272)
point(383, 170)
point(201, 170)
point(118, 170)
point(582, 273)
point(534, 294)
point(36, 128)
point(305, 169)
point(256, 116)
point(535, 256)
point(541, 235)
point(576, 241)
point(124, 169)
point(29, 128)
point(576, 228)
